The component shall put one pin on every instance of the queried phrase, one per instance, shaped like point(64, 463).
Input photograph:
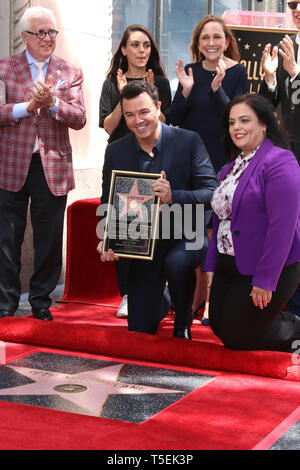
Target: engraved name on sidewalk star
point(133, 201)
point(89, 390)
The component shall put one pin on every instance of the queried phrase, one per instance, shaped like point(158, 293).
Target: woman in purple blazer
point(253, 260)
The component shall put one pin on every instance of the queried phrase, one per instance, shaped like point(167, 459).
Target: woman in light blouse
point(253, 260)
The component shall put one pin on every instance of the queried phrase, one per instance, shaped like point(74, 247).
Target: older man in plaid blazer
point(39, 103)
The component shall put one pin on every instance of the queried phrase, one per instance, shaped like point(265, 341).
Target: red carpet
point(94, 283)
point(252, 393)
point(231, 412)
point(87, 279)
point(116, 341)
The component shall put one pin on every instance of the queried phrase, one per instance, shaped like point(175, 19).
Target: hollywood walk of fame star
point(133, 201)
point(89, 390)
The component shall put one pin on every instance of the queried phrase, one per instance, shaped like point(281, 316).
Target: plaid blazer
point(17, 138)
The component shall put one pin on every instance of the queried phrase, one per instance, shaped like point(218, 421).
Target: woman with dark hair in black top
point(137, 58)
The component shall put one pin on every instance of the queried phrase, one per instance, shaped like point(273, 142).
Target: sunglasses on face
point(293, 5)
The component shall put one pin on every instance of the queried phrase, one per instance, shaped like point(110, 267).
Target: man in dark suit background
point(188, 180)
point(282, 87)
point(282, 80)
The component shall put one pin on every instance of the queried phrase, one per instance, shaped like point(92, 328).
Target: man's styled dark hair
point(136, 88)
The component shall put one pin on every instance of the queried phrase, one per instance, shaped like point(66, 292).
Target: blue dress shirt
point(148, 164)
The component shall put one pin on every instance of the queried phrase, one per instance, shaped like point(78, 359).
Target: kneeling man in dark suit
point(188, 182)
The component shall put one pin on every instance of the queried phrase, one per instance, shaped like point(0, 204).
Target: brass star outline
point(89, 390)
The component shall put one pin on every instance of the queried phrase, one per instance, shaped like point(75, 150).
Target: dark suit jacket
point(288, 96)
point(184, 159)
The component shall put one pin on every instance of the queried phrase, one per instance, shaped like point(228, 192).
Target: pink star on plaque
point(133, 201)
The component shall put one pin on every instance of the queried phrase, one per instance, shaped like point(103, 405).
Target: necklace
point(213, 73)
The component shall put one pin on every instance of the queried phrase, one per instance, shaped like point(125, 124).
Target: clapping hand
point(288, 55)
point(121, 80)
point(269, 63)
point(42, 95)
point(221, 72)
point(149, 77)
point(185, 79)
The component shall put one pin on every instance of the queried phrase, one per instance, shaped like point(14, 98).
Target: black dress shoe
point(42, 314)
point(184, 333)
point(5, 313)
point(182, 329)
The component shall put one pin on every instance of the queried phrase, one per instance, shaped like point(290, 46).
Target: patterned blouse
point(222, 202)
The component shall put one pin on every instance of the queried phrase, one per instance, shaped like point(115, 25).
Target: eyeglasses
point(293, 5)
point(52, 33)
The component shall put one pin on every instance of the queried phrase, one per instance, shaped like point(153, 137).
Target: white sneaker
point(123, 310)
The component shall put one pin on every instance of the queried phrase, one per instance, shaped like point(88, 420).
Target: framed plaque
point(133, 213)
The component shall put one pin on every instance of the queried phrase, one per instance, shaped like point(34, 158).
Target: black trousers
point(146, 283)
point(123, 265)
point(238, 323)
point(47, 217)
point(122, 270)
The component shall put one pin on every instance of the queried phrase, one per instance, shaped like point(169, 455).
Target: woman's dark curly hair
point(264, 112)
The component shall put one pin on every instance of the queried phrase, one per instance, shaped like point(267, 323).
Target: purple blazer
point(265, 220)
